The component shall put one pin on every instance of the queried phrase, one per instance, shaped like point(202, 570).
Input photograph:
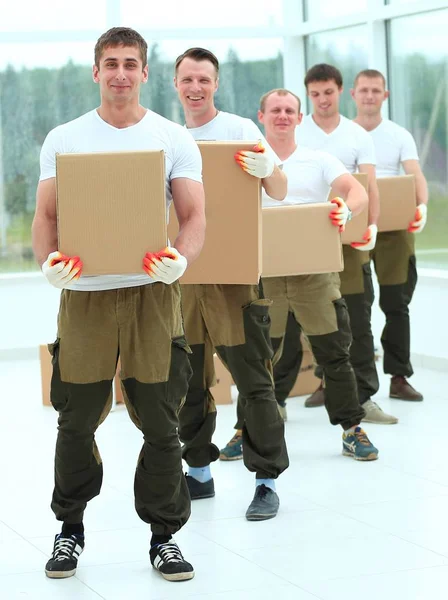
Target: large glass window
point(419, 92)
point(50, 84)
point(178, 14)
point(327, 9)
point(346, 49)
point(51, 15)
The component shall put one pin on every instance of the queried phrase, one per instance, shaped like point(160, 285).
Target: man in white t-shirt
point(224, 317)
point(137, 317)
point(314, 301)
point(326, 129)
point(394, 253)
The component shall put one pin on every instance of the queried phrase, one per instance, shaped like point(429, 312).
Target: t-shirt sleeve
point(51, 146)
point(408, 150)
point(366, 154)
point(332, 168)
point(252, 132)
point(187, 158)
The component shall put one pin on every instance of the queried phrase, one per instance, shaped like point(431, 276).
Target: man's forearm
point(374, 204)
point(44, 238)
point(190, 239)
point(276, 186)
point(357, 200)
point(421, 189)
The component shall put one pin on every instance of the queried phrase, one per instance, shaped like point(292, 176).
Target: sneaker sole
point(223, 457)
point(260, 517)
point(60, 574)
point(361, 458)
point(396, 397)
point(176, 576)
point(202, 497)
point(379, 422)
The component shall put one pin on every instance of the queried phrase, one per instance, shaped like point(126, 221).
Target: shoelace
point(362, 437)
point(64, 548)
point(170, 553)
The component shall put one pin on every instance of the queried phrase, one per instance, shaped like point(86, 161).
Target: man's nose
point(120, 74)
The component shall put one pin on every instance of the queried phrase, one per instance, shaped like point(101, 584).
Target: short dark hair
point(371, 74)
point(280, 92)
point(121, 36)
point(198, 54)
point(323, 72)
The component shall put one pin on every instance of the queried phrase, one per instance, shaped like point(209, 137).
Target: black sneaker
point(264, 505)
point(168, 560)
point(200, 490)
point(66, 552)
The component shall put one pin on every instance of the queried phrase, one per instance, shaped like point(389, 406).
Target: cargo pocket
point(53, 349)
point(180, 371)
point(257, 324)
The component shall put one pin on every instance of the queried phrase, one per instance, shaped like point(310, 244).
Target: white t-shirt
point(310, 175)
point(227, 127)
point(393, 145)
point(349, 142)
point(89, 133)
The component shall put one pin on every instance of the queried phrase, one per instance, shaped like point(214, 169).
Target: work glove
point(257, 163)
point(340, 214)
point(369, 239)
point(420, 217)
point(165, 266)
point(61, 270)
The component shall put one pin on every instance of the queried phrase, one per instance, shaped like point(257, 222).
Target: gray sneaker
point(375, 414)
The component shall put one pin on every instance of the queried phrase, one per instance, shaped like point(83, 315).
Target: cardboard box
point(300, 240)
point(221, 391)
point(398, 201)
point(111, 209)
point(232, 250)
point(356, 228)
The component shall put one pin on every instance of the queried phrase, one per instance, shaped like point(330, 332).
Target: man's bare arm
point(276, 186)
point(44, 228)
point(412, 167)
point(350, 190)
point(374, 194)
point(189, 203)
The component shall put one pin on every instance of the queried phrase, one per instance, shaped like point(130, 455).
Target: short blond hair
point(370, 74)
point(280, 92)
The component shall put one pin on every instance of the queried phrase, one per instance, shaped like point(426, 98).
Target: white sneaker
point(375, 414)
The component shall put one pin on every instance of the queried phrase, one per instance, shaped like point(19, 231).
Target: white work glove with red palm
point(421, 213)
point(165, 266)
point(61, 270)
point(257, 163)
point(340, 214)
point(369, 239)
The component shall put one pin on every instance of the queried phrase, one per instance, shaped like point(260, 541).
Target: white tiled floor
point(376, 530)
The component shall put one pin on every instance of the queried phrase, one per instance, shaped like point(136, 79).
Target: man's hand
point(369, 239)
point(257, 163)
point(165, 266)
point(340, 215)
point(418, 224)
point(60, 270)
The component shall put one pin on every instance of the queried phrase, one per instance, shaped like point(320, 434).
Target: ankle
point(69, 529)
point(160, 539)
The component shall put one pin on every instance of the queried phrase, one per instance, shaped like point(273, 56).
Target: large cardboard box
point(300, 240)
point(356, 228)
point(398, 202)
point(222, 390)
point(232, 250)
point(111, 209)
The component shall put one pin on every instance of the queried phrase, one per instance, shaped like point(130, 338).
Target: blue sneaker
point(358, 446)
point(234, 448)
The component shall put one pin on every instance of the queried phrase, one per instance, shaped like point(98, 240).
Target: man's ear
point(260, 116)
point(95, 71)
